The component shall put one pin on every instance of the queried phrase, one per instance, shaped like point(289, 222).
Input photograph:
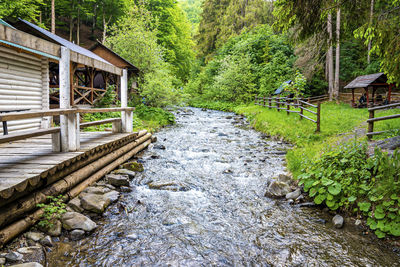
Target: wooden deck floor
point(30, 160)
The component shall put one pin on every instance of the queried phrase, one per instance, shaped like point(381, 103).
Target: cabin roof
point(130, 66)
point(366, 80)
point(40, 32)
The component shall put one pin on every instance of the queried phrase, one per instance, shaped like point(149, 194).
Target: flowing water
point(218, 214)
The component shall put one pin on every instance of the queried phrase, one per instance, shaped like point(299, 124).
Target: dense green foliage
point(347, 178)
point(193, 10)
point(255, 62)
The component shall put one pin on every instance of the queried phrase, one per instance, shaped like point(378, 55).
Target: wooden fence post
point(287, 106)
point(371, 123)
point(269, 103)
point(126, 116)
point(301, 110)
point(277, 103)
point(318, 117)
point(264, 100)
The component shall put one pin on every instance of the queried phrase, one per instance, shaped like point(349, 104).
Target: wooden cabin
point(24, 78)
point(373, 89)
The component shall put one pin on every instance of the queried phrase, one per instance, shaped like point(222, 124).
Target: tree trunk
point(94, 18)
point(53, 17)
point(104, 28)
point(337, 63)
point(371, 15)
point(330, 57)
point(71, 28)
point(78, 24)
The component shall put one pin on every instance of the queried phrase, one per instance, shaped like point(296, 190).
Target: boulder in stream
point(277, 189)
point(94, 202)
point(293, 195)
point(14, 256)
point(75, 204)
point(118, 180)
point(74, 220)
point(131, 174)
point(133, 166)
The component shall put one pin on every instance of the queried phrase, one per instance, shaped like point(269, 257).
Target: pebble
point(14, 256)
point(77, 234)
point(338, 221)
point(357, 222)
point(46, 241)
point(133, 236)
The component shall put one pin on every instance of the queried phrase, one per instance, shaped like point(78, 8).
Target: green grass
point(144, 117)
point(336, 119)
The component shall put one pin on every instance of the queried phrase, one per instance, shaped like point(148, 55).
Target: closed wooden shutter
point(21, 86)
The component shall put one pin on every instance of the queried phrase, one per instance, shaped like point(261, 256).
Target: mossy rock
point(133, 166)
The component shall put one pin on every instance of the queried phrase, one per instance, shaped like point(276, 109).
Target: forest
point(230, 50)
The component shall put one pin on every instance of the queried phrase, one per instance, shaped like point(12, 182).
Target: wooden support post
point(366, 89)
point(126, 116)
point(353, 100)
point(56, 142)
point(371, 123)
point(318, 117)
point(301, 110)
point(390, 93)
point(68, 123)
point(117, 127)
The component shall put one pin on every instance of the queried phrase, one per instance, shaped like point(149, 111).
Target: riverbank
point(360, 186)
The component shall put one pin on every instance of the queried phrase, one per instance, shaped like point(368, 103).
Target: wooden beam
point(20, 136)
point(91, 62)
point(34, 114)
point(94, 123)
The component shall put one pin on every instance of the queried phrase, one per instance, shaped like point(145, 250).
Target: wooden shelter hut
point(371, 83)
point(84, 91)
point(101, 80)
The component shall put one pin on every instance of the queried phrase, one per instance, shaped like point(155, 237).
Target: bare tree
point(371, 15)
point(337, 63)
point(53, 17)
point(329, 56)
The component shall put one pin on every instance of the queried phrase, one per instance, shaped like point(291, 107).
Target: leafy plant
point(52, 211)
point(346, 177)
point(107, 99)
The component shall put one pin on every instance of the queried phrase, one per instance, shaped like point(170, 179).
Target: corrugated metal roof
point(366, 80)
point(5, 23)
point(132, 67)
point(61, 41)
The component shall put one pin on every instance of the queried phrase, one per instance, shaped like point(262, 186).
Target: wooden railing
point(66, 137)
point(372, 119)
point(284, 103)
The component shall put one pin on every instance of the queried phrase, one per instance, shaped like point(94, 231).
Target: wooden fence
point(284, 103)
point(372, 119)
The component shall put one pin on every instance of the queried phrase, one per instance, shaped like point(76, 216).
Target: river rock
point(133, 166)
point(338, 221)
point(284, 178)
point(94, 202)
point(118, 180)
point(167, 185)
point(46, 241)
point(99, 190)
point(75, 204)
point(55, 229)
point(112, 196)
point(74, 220)
point(29, 250)
point(28, 264)
point(131, 174)
point(14, 256)
point(357, 222)
point(277, 189)
point(35, 236)
point(160, 147)
point(125, 189)
point(77, 235)
point(293, 195)
point(2, 261)
point(153, 139)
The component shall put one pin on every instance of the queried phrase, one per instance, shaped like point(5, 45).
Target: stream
point(214, 211)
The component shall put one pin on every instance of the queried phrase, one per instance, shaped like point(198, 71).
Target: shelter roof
point(113, 57)
point(366, 80)
point(40, 32)
point(281, 87)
